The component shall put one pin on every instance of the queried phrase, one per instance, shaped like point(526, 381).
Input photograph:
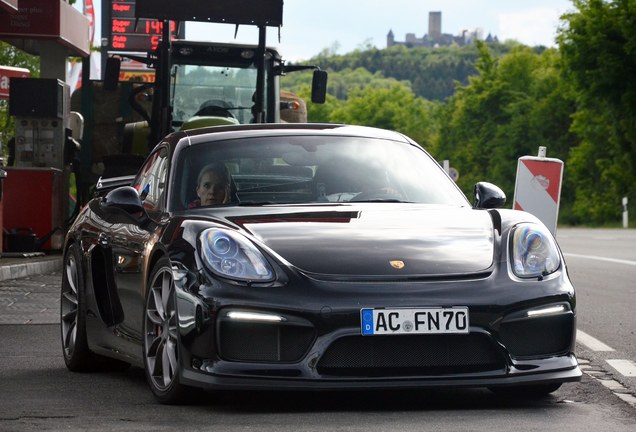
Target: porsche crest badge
point(397, 264)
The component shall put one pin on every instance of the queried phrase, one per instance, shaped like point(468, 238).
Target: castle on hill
point(435, 37)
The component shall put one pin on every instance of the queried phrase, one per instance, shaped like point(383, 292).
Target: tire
point(527, 391)
point(161, 337)
point(77, 356)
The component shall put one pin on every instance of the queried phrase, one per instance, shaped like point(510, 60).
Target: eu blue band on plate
point(367, 321)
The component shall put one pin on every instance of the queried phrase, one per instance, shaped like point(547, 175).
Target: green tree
point(318, 113)
point(598, 47)
point(395, 107)
point(341, 84)
point(432, 72)
point(517, 103)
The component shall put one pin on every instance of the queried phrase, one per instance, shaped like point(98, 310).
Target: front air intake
point(416, 355)
point(263, 342)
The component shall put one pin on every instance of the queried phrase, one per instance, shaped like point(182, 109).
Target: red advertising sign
point(90, 14)
point(8, 72)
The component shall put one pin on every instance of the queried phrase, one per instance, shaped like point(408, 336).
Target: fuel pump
point(41, 109)
point(36, 191)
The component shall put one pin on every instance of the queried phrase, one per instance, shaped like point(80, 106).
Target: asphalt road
point(602, 267)
point(38, 393)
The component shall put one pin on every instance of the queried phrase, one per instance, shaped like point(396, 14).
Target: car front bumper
point(304, 336)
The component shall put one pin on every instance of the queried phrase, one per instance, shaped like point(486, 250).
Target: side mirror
point(319, 87)
point(488, 196)
point(125, 198)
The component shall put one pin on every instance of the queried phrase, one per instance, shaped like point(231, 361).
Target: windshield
point(309, 169)
point(212, 90)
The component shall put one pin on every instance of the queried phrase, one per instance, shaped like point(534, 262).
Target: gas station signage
point(8, 72)
point(138, 76)
point(53, 20)
point(126, 33)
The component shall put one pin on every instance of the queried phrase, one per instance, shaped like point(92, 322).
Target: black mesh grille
point(538, 336)
point(379, 356)
point(244, 341)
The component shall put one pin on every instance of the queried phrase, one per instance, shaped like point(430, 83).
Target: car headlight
point(230, 255)
point(534, 251)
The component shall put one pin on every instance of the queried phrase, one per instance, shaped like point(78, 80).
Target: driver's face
point(212, 189)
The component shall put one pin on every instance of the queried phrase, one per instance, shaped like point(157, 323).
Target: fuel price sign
point(126, 33)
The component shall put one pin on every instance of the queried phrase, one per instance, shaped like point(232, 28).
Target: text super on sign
point(129, 34)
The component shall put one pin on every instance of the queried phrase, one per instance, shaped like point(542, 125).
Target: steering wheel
point(215, 110)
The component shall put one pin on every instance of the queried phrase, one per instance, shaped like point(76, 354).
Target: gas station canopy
point(24, 23)
point(9, 5)
point(260, 13)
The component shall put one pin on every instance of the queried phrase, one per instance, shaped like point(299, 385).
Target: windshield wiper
point(256, 203)
point(379, 200)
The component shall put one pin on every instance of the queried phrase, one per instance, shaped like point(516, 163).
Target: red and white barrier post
point(538, 187)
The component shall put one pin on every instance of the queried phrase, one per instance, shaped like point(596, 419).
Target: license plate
point(414, 321)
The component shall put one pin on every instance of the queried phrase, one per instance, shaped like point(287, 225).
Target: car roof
point(214, 133)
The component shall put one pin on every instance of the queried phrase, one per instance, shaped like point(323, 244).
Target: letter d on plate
point(367, 321)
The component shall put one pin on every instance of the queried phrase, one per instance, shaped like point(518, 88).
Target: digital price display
point(129, 34)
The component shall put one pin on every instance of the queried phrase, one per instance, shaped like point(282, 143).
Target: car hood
point(377, 239)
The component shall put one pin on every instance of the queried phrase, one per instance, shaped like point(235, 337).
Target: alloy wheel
point(69, 305)
point(161, 339)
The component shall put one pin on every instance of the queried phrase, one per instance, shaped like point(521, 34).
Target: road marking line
point(592, 343)
point(625, 367)
point(598, 258)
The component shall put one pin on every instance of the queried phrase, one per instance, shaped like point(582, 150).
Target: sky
point(310, 26)
point(342, 26)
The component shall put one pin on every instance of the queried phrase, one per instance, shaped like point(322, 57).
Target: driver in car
point(213, 186)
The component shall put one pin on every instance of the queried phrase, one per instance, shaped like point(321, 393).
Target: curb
point(599, 374)
point(20, 268)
